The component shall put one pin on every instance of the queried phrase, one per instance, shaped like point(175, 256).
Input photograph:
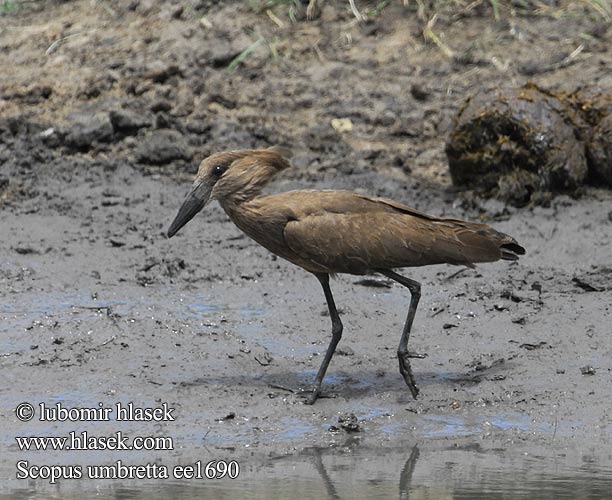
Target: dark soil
point(106, 109)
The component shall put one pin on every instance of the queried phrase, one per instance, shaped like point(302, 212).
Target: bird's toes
point(309, 395)
point(406, 371)
point(414, 390)
point(409, 379)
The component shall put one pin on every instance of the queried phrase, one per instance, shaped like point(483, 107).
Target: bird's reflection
point(332, 493)
point(407, 471)
point(405, 478)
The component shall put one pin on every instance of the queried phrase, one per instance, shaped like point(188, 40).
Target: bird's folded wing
point(357, 243)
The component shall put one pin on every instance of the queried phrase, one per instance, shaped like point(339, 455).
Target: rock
point(587, 370)
point(349, 422)
point(163, 146)
point(126, 122)
point(517, 144)
point(599, 152)
point(342, 124)
point(87, 129)
point(49, 137)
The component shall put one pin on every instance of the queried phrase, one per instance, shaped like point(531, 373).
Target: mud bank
point(97, 306)
point(518, 355)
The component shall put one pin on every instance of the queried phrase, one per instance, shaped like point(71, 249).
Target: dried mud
point(99, 136)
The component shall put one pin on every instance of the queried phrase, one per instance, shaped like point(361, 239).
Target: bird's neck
point(238, 205)
point(247, 217)
point(236, 200)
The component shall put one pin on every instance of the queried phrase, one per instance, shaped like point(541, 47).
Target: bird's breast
point(266, 226)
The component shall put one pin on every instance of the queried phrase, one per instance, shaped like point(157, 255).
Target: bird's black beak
point(195, 201)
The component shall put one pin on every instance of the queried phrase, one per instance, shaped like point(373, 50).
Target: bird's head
point(237, 176)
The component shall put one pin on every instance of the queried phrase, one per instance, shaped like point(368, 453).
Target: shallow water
point(454, 458)
point(351, 472)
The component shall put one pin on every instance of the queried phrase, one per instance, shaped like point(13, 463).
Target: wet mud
point(97, 305)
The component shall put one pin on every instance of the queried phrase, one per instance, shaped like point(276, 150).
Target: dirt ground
point(106, 108)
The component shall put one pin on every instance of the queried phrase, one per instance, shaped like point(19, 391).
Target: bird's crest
point(241, 175)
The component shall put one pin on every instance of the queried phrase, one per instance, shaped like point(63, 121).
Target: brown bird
point(328, 232)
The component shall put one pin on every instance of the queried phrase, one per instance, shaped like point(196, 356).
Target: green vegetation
point(234, 63)
point(7, 7)
point(602, 7)
point(259, 42)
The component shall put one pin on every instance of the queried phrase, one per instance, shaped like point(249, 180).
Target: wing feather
point(344, 232)
point(358, 243)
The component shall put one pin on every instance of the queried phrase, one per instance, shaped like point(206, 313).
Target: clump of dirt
point(524, 144)
point(595, 104)
point(593, 101)
point(348, 422)
point(515, 144)
point(600, 152)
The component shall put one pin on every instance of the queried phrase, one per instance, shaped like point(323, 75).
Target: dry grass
point(425, 10)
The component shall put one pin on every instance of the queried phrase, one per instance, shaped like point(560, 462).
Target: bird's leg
point(336, 336)
point(402, 351)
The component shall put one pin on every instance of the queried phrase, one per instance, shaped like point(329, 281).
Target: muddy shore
point(97, 305)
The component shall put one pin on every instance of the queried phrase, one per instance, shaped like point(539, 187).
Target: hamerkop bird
point(329, 232)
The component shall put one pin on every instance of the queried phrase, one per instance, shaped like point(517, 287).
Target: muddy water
point(495, 452)
point(352, 471)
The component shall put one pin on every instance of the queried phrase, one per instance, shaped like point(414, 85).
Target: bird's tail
point(511, 250)
point(469, 243)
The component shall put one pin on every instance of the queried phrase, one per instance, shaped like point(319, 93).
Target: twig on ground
point(429, 34)
point(60, 41)
point(355, 11)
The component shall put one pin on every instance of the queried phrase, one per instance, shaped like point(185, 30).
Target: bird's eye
point(219, 170)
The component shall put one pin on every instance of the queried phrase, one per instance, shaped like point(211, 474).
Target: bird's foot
point(311, 395)
point(312, 398)
point(406, 371)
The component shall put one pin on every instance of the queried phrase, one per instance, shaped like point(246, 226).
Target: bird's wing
point(344, 232)
point(358, 243)
point(399, 207)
